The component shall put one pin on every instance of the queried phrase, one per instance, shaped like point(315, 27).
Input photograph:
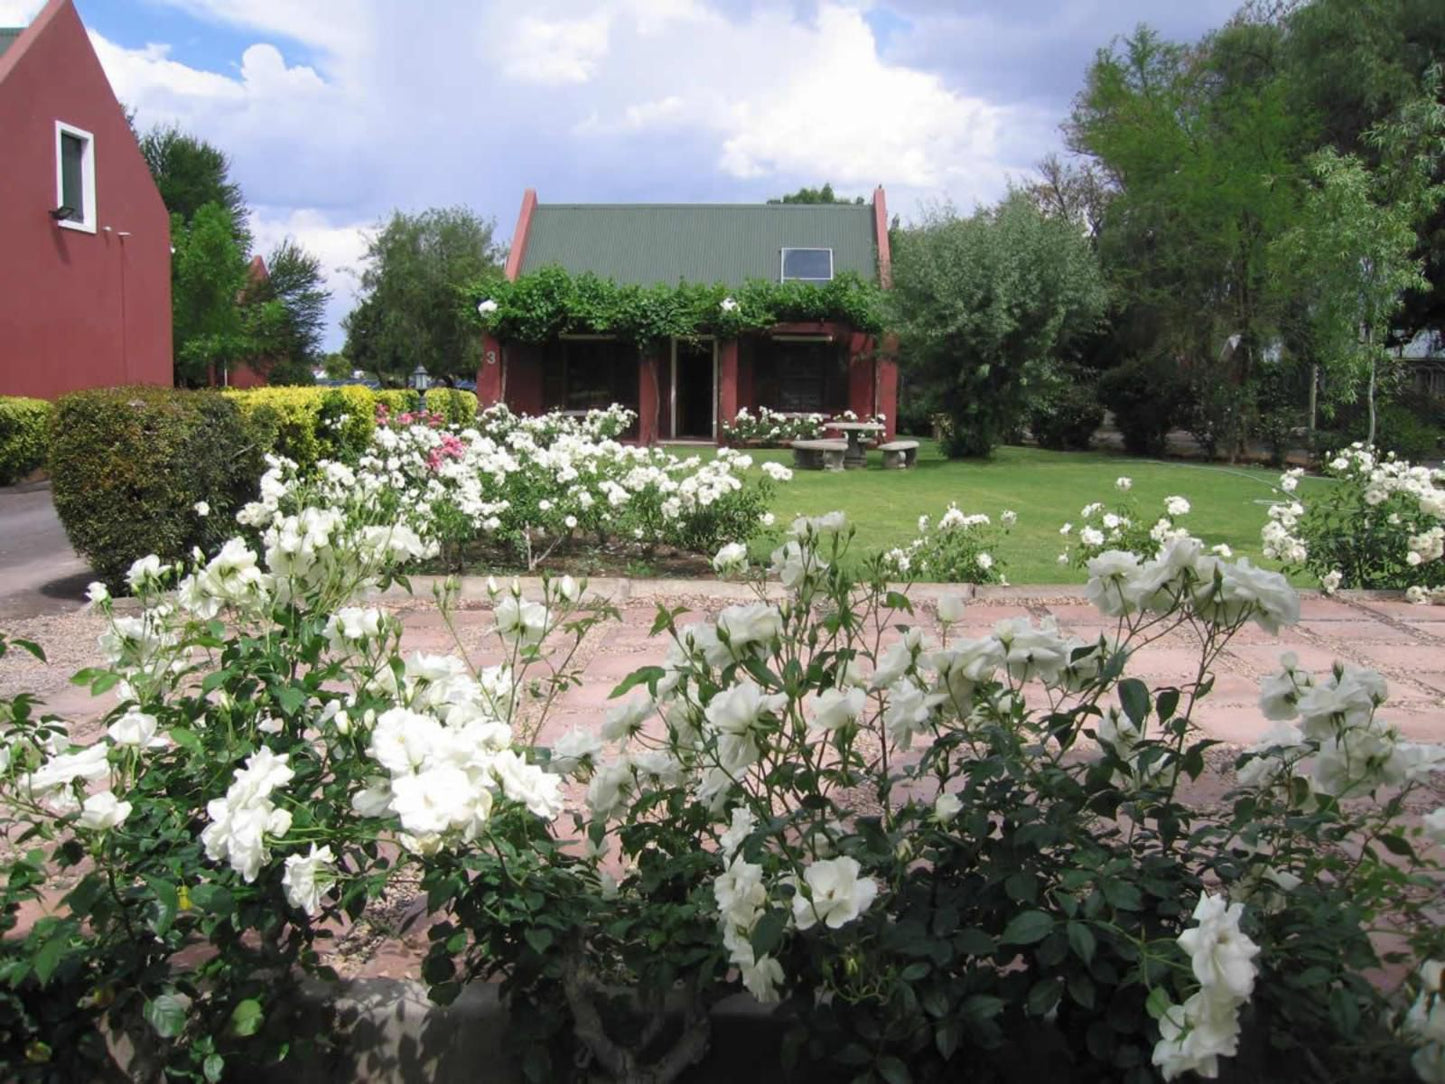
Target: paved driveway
point(39, 572)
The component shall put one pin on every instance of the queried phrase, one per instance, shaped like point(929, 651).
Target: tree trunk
point(1370, 400)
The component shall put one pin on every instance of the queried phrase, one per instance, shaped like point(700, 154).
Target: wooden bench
point(819, 454)
point(899, 454)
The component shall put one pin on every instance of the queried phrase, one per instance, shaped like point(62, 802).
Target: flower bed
point(532, 487)
point(941, 855)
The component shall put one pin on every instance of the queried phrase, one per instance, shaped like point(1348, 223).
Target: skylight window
point(807, 265)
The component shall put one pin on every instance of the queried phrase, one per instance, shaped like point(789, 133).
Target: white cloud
point(336, 112)
point(837, 111)
point(561, 51)
point(19, 12)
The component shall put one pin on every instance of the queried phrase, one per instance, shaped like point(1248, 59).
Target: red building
point(686, 390)
point(85, 248)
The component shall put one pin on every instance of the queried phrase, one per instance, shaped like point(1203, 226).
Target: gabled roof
point(649, 243)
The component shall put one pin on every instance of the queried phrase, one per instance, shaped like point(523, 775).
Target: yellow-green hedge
point(457, 406)
point(23, 426)
point(307, 424)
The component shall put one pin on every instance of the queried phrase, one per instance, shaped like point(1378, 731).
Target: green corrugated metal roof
point(647, 243)
point(8, 34)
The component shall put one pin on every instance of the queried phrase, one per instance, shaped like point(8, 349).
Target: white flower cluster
point(769, 426)
point(955, 549)
point(448, 753)
point(1332, 724)
point(1101, 528)
point(1195, 1035)
point(1401, 502)
point(1221, 592)
point(1424, 1024)
point(245, 821)
point(548, 477)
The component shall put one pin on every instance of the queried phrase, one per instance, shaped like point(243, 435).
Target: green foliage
point(418, 268)
point(458, 407)
point(293, 278)
point(538, 307)
point(209, 277)
point(1065, 412)
point(816, 195)
point(23, 431)
point(190, 174)
point(128, 465)
point(1148, 397)
point(984, 304)
point(307, 424)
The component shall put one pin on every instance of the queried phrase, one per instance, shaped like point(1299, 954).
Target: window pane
point(808, 263)
point(72, 163)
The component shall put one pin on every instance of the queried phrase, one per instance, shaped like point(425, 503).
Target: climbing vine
point(544, 304)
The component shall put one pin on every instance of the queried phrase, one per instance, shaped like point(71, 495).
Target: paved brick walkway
point(1405, 643)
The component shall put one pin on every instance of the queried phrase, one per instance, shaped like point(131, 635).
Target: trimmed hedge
point(24, 424)
point(307, 424)
point(128, 465)
point(457, 406)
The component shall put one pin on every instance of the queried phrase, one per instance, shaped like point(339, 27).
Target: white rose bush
point(937, 846)
point(960, 547)
point(1381, 524)
point(523, 489)
point(272, 762)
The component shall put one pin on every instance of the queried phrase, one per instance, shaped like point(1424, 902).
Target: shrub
point(959, 548)
point(949, 856)
point(458, 407)
point(309, 424)
point(1148, 398)
point(1382, 525)
point(129, 465)
point(23, 427)
point(398, 400)
point(1065, 418)
point(1123, 527)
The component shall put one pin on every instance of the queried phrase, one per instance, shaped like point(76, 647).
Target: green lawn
point(1045, 488)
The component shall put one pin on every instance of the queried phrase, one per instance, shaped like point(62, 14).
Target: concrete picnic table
point(858, 434)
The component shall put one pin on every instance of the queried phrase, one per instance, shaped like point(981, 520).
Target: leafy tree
point(294, 280)
point(1354, 253)
point(190, 173)
point(983, 304)
point(816, 195)
point(412, 307)
point(1352, 66)
point(337, 366)
point(1078, 192)
point(209, 275)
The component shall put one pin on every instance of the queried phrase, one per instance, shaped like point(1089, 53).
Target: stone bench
point(819, 454)
point(899, 454)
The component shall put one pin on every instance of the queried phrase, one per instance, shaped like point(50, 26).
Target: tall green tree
point(984, 304)
point(411, 309)
point(191, 173)
point(209, 275)
point(1354, 255)
point(1205, 158)
point(294, 280)
point(1353, 66)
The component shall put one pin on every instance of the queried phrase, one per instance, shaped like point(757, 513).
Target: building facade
point(688, 389)
point(85, 260)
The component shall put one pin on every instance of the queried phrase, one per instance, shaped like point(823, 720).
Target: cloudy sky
point(335, 112)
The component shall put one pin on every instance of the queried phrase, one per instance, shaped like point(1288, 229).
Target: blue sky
point(335, 112)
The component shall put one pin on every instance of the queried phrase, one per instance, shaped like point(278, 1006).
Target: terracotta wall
point(77, 310)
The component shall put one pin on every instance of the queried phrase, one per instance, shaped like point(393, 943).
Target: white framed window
point(806, 265)
point(74, 178)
